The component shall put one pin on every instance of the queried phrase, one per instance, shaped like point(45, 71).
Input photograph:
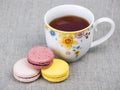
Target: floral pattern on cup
point(67, 53)
point(67, 41)
point(52, 33)
point(87, 35)
point(75, 50)
point(79, 35)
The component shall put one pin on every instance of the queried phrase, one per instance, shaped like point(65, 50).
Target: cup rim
point(77, 31)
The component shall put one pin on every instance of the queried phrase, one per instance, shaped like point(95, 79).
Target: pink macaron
point(40, 57)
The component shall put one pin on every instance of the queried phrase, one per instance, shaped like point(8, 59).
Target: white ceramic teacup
point(70, 46)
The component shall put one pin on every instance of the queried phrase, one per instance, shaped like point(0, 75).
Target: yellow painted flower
point(77, 52)
point(67, 40)
point(46, 27)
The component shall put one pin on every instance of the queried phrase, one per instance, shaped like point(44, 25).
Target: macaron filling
point(41, 64)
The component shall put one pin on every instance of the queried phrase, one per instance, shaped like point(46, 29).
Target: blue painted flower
point(52, 33)
point(78, 47)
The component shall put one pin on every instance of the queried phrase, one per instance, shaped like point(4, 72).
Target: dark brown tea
point(69, 23)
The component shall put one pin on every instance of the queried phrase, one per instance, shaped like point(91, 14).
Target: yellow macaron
point(57, 72)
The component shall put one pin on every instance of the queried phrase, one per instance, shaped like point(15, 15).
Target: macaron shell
point(39, 67)
point(22, 69)
point(40, 55)
point(57, 79)
point(26, 80)
point(57, 71)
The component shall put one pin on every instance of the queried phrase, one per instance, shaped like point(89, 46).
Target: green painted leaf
point(73, 49)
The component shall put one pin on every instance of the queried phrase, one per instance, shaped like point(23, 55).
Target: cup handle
point(108, 35)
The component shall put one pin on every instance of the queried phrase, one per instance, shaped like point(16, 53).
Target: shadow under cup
point(56, 38)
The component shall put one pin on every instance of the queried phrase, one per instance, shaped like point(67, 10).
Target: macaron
point(40, 57)
point(57, 72)
point(23, 72)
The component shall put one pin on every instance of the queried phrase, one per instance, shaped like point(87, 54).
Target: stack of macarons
point(40, 60)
